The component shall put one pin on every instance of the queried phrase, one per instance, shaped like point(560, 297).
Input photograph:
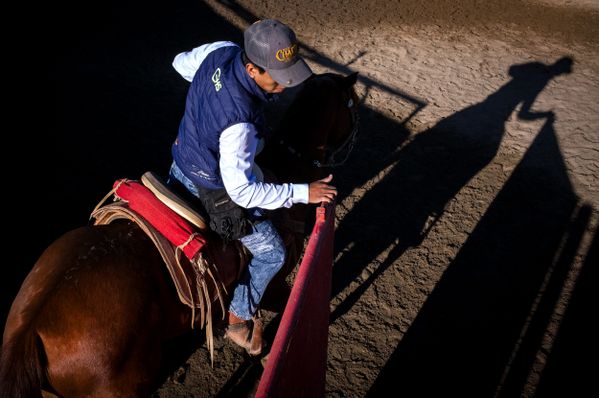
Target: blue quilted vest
point(221, 94)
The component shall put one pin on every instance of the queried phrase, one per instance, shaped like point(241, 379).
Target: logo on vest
point(216, 79)
point(285, 54)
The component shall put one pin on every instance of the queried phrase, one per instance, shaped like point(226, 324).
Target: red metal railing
point(297, 362)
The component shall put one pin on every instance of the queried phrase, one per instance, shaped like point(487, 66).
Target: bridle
point(347, 145)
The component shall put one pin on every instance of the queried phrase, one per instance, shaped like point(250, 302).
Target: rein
point(347, 145)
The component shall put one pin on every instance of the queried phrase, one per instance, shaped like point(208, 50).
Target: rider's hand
point(321, 191)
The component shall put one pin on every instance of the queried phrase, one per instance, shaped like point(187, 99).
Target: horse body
point(90, 317)
point(114, 273)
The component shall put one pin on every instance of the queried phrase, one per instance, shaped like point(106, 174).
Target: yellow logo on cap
point(285, 54)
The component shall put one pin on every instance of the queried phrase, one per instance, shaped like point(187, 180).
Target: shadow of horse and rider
point(480, 331)
point(426, 175)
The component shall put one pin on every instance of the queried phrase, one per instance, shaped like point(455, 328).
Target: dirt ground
point(466, 242)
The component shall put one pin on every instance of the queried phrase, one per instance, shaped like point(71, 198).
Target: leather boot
point(240, 333)
point(256, 343)
point(248, 335)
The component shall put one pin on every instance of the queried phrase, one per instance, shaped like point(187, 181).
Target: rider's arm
point(237, 150)
point(187, 63)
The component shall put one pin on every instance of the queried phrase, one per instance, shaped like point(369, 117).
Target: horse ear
point(350, 80)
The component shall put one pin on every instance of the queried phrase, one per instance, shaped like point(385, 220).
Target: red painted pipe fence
point(297, 362)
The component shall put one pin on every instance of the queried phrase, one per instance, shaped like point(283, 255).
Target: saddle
point(181, 236)
point(173, 201)
point(198, 261)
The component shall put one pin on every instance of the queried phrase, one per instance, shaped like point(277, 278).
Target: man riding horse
point(213, 155)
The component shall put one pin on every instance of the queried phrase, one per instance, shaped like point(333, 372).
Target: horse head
point(318, 130)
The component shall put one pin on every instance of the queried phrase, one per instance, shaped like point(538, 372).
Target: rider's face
point(264, 80)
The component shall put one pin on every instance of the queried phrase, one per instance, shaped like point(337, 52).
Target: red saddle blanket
point(171, 225)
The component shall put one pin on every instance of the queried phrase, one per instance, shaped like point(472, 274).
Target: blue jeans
point(268, 256)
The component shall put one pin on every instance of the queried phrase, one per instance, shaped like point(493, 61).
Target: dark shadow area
point(107, 105)
point(479, 330)
point(174, 365)
point(98, 100)
point(428, 172)
point(244, 381)
point(571, 369)
point(517, 372)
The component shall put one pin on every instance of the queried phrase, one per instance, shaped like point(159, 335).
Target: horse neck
point(304, 128)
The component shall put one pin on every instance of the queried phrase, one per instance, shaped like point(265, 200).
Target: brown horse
point(90, 317)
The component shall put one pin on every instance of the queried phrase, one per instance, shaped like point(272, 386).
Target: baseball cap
point(273, 46)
